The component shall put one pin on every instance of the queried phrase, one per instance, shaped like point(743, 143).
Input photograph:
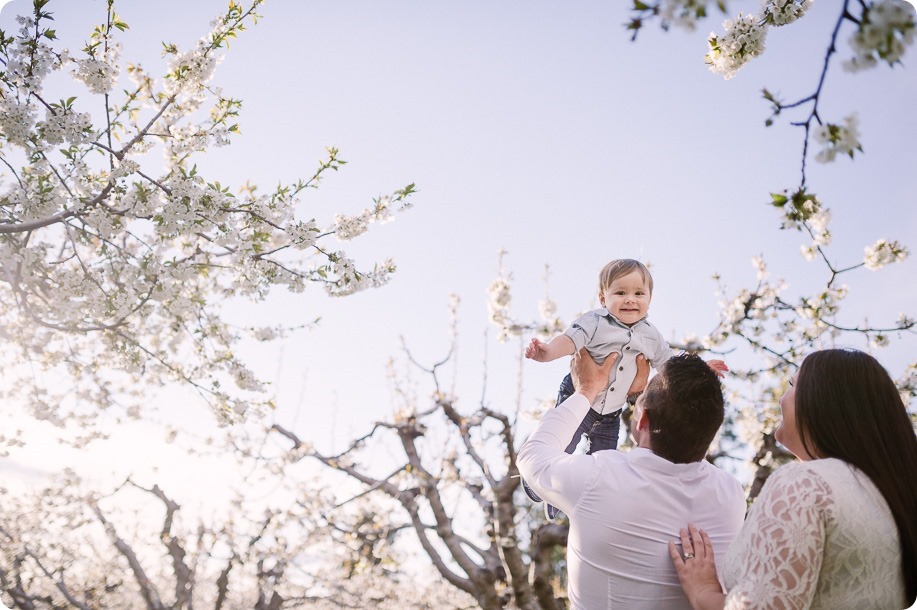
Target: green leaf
point(779, 199)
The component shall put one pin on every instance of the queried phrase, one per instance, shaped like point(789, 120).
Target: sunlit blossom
point(884, 33)
point(838, 139)
point(883, 253)
point(742, 41)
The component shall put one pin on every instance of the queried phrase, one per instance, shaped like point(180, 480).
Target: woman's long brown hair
point(848, 407)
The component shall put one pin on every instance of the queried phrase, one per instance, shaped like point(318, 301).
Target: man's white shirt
point(624, 508)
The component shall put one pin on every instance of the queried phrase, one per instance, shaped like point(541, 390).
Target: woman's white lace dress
point(820, 535)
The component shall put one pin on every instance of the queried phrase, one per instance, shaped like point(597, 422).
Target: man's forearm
point(542, 461)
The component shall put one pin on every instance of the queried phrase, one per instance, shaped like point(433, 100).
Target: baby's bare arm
point(561, 345)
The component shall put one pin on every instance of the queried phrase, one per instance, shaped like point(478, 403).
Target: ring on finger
point(689, 556)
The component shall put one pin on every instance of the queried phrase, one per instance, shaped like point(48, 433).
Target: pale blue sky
point(540, 128)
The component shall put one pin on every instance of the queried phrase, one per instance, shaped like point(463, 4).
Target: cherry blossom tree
point(451, 492)
point(113, 264)
point(73, 546)
point(453, 489)
point(777, 328)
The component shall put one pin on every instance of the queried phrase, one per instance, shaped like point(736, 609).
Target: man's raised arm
point(556, 476)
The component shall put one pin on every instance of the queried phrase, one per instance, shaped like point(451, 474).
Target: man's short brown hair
point(684, 404)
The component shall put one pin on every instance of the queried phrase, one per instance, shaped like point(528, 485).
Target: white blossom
point(692, 343)
point(758, 263)
point(349, 281)
point(348, 227)
point(191, 70)
point(742, 41)
point(550, 322)
point(498, 300)
point(683, 13)
point(884, 33)
point(152, 255)
point(124, 168)
point(878, 340)
point(29, 60)
point(818, 223)
point(749, 426)
point(907, 383)
point(882, 253)
point(783, 12)
point(838, 139)
point(303, 234)
point(100, 70)
point(64, 125)
point(16, 119)
point(245, 379)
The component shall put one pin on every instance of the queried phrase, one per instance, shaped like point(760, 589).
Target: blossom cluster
point(16, 119)
point(783, 12)
point(498, 301)
point(348, 280)
point(885, 30)
point(744, 36)
point(65, 125)
point(883, 253)
point(29, 59)
point(799, 208)
point(119, 263)
point(742, 41)
point(907, 384)
point(100, 70)
point(191, 70)
point(821, 234)
point(551, 323)
point(683, 13)
point(348, 227)
point(838, 139)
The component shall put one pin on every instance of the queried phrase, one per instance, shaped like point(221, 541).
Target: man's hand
point(641, 378)
point(589, 378)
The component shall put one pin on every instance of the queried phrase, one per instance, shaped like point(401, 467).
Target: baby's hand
point(719, 367)
point(537, 351)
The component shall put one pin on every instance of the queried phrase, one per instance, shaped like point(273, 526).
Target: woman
point(837, 529)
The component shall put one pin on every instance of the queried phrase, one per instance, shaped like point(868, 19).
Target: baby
point(619, 326)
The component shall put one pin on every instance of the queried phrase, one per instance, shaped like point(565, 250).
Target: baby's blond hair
point(619, 268)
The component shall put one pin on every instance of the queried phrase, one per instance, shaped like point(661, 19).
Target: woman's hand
point(696, 570)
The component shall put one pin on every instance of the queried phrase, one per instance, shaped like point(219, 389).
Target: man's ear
point(642, 422)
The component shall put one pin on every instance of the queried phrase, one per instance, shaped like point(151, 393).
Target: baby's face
point(628, 298)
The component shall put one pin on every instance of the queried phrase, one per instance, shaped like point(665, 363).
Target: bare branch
point(147, 588)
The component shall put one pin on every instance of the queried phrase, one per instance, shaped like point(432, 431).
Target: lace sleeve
point(782, 543)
